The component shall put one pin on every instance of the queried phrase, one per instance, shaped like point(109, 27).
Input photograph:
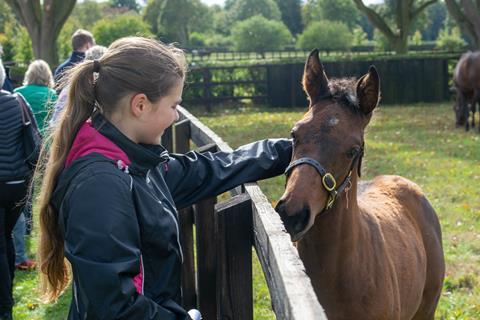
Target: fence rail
point(221, 285)
point(403, 80)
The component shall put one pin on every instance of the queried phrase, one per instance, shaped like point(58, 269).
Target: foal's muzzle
point(296, 223)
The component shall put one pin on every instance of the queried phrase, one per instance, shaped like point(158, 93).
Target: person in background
point(95, 52)
point(7, 83)
point(82, 40)
point(14, 180)
point(110, 191)
point(38, 92)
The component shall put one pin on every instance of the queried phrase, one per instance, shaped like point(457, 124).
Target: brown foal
point(372, 250)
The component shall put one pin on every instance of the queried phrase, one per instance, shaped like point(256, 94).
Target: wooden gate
point(217, 240)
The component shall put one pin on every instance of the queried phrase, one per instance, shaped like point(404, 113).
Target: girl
point(110, 193)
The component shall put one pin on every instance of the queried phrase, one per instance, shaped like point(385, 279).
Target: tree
point(108, 30)
point(175, 20)
point(326, 35)
point(467, 15)
point(259, 35)
point(291, 14)
point(44, 21)
point(436, 14)
point(333, 10)
point(405, 15)
point(244, 9)
point(128, 4)
point(88, 12)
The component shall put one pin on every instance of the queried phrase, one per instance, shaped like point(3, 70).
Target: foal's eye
point(294, 137)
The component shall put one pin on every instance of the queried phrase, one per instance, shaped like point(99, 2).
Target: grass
point(418, 142)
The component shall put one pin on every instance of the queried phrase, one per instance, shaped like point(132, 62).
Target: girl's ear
point(139, 104)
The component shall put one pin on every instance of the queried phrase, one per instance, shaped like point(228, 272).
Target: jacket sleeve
point(194, 176)
point(102, 243)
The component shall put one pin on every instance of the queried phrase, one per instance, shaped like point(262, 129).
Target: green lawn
point(418, 142)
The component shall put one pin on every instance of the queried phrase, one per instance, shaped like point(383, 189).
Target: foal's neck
point(341, 225)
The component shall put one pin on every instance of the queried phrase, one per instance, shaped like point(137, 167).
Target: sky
point(210, 2)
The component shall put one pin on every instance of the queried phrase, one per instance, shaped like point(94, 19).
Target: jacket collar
point(77, 56)
point(143, 156)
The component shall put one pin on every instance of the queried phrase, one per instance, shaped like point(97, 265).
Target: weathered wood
point(167, 139)
point(290, 288)
point(189, 294)
point(189, 298)
point(201, 134)
point(182, 136)
point(233, 222)
point(211, 147)
point(206, 257)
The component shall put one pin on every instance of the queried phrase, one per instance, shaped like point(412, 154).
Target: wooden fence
point(221, 283)
point(403, 80)
point(218, 54)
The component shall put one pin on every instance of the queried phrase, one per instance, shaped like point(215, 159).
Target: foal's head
point(328, 144)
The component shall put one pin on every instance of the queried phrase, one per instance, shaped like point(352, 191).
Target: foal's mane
point(343, 91)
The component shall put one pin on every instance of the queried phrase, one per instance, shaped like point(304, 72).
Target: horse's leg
point(464, 108)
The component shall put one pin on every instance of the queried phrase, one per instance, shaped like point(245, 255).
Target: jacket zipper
point(174, 221)
point(75, 295)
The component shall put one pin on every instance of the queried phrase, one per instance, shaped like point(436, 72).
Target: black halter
point(328, 180)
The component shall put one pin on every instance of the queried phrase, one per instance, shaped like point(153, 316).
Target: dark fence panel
point(405, 80)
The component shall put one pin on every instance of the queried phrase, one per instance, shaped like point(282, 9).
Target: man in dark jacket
point(82, 40)
point(7, 82)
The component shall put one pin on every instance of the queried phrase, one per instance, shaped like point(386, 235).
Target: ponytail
point(54, 270)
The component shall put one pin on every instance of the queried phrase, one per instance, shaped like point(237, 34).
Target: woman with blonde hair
point(37, 90)
point(110, 191)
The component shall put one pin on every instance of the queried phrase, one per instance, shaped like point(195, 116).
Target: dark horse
point(466, 79)
point(374, 250)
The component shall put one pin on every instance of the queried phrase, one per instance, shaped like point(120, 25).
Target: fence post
point(167, 139)
point(206, 252)
point(206, 257)
point(185, 216)
point(234, 227)
point(207, 94)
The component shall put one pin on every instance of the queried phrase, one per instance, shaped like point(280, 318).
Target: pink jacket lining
point(89, 140)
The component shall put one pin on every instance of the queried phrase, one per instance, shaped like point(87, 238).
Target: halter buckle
point(329, 182)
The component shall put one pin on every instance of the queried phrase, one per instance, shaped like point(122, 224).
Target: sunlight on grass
point(418, 142)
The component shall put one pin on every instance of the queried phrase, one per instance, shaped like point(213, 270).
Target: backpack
point(32, 139)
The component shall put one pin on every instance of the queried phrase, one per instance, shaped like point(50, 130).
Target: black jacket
point(12, 156)
point(117, 222)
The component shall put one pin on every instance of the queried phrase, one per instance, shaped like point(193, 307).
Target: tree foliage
point(108, 30)
point(243, 9)
point(291, 13)
point(405, 14)
point(467, 15)
point(127, 4)
point(175, 20)
point(87, 13)
point(450, 40)
point(259, 35)
point(436, 16)
point(326, 35)
point(333, 10)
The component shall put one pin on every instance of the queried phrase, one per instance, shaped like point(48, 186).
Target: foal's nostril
point(280, 207)
point(300, 220)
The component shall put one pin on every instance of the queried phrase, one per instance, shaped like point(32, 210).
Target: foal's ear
point(368, 90)
point(315, 82)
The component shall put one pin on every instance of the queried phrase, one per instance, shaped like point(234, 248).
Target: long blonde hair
point(130, 65)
